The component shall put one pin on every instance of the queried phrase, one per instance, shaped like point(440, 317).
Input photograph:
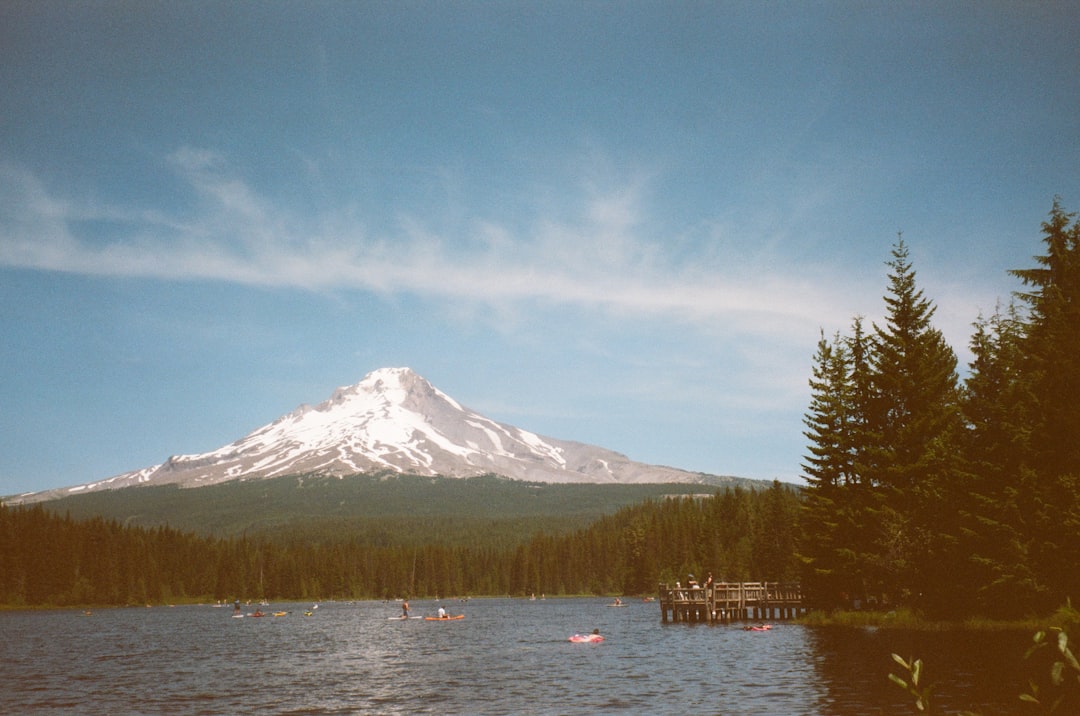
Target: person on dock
point(708, 581)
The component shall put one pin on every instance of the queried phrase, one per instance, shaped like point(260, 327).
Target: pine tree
point(775, 540)
point(994, 531)
point(837, 566)
point(1051, 347)
point(914, 416)
point(827, 470)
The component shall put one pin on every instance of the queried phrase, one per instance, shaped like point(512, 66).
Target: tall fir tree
point(864, 499)
point(994, 446)
point(827, 470)
point(914, 417)
point(835, 546)
point(1051, 347)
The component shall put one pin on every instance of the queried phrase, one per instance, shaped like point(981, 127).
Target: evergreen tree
point(827, 566)
point(994, 448)
point(914, 414)
point(776, 538)
point(1051, 348)
point(840, 534)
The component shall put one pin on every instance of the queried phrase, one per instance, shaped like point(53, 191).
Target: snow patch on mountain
point(395, 420)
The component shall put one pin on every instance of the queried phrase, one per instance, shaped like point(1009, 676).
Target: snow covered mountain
point(392, 419)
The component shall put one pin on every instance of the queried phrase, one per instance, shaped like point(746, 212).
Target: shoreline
point(904, 619)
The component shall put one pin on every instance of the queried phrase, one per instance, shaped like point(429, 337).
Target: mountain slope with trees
point(49, 559)
point(415, 508)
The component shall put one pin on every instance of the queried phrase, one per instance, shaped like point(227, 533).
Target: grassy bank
point(1066, 618)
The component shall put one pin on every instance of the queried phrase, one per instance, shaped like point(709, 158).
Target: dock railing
point(728, 601)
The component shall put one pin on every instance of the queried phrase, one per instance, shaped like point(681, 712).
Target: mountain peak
point(401, 373)
point(393, 419)
point(385, 379)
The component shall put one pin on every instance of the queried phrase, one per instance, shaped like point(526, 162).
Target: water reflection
point(505, 657)
point(970, 670)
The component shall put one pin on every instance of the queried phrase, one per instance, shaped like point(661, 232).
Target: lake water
point(508, 656)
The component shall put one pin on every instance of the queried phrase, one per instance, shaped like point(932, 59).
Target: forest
point(952, 497)
point(381, 506)
point(49, 559)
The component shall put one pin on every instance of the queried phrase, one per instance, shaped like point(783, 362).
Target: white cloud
point(599, 259)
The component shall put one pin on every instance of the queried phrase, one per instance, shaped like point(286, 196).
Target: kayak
point(444, 619)
point(586, 638)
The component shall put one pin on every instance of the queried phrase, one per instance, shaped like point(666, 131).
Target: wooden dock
point(728, 601)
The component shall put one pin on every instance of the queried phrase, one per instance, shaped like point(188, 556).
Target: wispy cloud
point(601, 258)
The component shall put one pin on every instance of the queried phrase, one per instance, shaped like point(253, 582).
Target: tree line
point(952, 497)
point(52, 559)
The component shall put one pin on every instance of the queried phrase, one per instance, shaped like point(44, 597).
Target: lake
point(508, 656)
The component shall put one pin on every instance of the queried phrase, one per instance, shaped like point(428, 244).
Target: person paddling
point(404, 608)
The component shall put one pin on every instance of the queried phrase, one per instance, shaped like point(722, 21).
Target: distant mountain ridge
point(394, 420)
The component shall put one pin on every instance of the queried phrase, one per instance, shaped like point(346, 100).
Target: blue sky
point(618, 223)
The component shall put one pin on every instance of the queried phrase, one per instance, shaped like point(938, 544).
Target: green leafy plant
point(912, 684)
point(1053, 690)
point(1062, 692)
